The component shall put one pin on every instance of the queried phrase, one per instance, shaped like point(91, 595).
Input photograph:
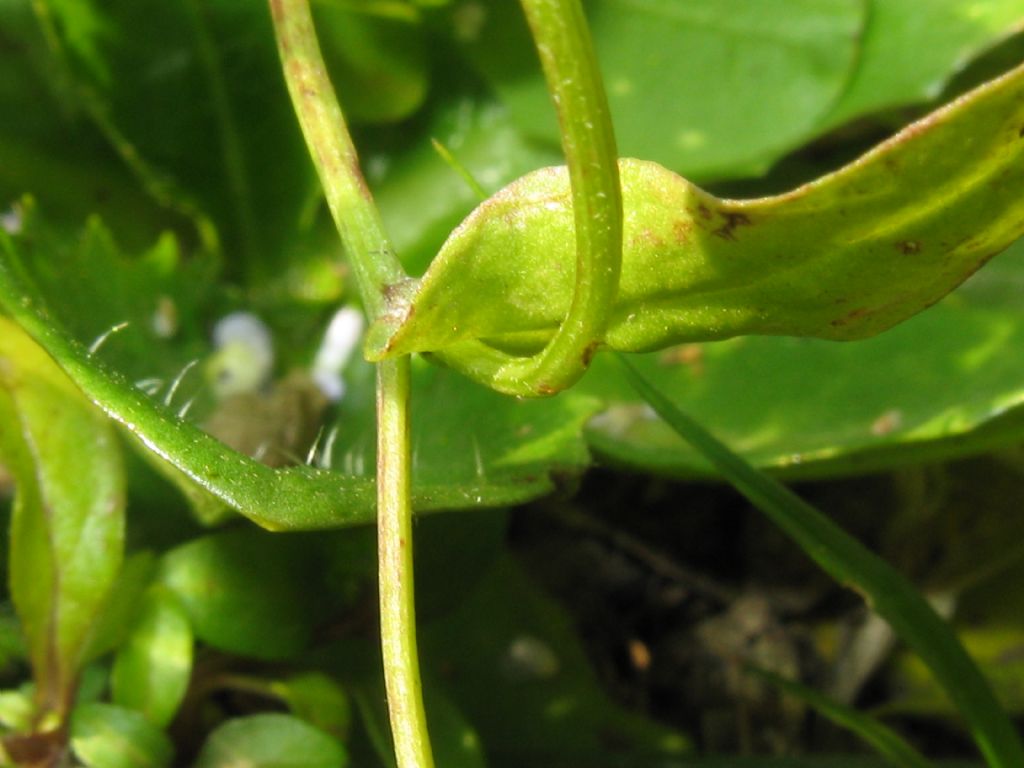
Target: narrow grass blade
point(886, 741)
point(887, 592)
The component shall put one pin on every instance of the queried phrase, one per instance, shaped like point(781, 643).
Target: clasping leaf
point(844, 257)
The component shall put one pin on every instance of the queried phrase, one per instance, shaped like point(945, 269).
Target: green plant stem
point(588, 141)
point(368, 248)
point(395, 563)
point(377, 270)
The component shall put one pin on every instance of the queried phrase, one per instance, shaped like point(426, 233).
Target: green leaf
point(12, 640)
point(270, 741)
point(378, 64)
point(156, 299)
point(50, 150)
point(749, 81)
point(246, 592)
point(121, 610)
point(304, 497)
point(990, 610)
point(152, 669)
point(105, 736)
point(67, 529)
point(421, 198)
point(909, 51)
point(317, 699)
point(192, 97)
point(995, 647)
point(478, 437)
point(17, 709)
point(888, 593)
point(842, 258)
point(945, 383)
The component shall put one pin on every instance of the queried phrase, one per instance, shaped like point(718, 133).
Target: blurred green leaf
point(152, 669)
point(105, 736)
point(377, 64)
point(909, 50)
point(17, 709)
point(990, 611)
point(270, 741)
point(844, 257)
point(945, 383)
point(192, 96)
point(49, 149)
point(67, 530)
point(246, 592)
point(680, 91)
point(122, 606)
point(998, 651)
point(319, 700)
point(12, 640)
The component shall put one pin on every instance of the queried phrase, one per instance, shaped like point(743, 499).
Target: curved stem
point(574, 80)
point(362, 232)
point(395, 563)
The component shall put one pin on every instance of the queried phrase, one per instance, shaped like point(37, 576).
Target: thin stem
point(395, 563)
point(358, 221)
point(588, 141)
point(574, 80)
point(377, 270)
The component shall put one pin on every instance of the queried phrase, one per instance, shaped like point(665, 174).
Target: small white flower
point(244, 356)
point(340, 340)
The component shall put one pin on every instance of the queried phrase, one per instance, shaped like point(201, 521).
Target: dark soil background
point(676, 586)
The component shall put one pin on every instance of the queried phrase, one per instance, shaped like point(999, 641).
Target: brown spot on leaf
point(681, 230)
point(908, 247)
point(546, 390)
point(704, 211)
point(887, 423)
point(647, 239)
point(849, 317)
point(589, 351)
point(732, 221)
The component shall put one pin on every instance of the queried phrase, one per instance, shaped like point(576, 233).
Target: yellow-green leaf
point(844, 257)
point(67, 529)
